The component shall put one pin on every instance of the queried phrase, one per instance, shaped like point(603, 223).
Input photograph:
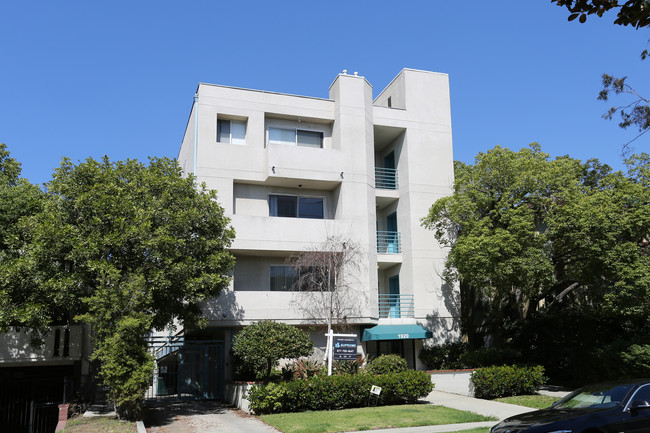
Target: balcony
point(62, 344)
point(396, 306)
point(386, 178)
point(388, 242)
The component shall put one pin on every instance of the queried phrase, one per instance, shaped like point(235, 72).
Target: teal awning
point(396, 332)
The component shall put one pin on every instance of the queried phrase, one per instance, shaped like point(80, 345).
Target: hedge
point(338, 392)
point(506, 381)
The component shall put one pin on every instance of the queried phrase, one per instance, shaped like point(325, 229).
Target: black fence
point(31, 405)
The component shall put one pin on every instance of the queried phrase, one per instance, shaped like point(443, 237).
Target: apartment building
point(292, 171)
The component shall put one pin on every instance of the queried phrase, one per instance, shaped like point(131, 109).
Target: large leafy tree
point(126, 248)
point(19, 200)
point(533, 234)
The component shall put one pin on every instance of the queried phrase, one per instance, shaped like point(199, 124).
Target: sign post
point(340, 347)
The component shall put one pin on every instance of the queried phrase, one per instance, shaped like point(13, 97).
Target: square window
point(283, 206)
point(309, 138)
point(310, 207)
point(283, 279)
point(231, 131)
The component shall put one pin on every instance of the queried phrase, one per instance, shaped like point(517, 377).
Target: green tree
point(261, 345)
point(126, 248)
point(632, 12)
point(530, 233)
point(19, 200)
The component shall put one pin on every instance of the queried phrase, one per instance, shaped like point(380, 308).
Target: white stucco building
point(292, 170)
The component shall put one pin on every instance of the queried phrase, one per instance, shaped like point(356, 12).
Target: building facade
point(293, 171)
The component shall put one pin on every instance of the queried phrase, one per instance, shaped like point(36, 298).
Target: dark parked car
point(613, 407)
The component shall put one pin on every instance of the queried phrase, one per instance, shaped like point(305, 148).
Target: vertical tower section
point(412, 119)
point(353, 131)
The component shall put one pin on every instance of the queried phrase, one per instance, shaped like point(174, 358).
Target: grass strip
point(536, 401)
point(369, 418)
point(99, 424)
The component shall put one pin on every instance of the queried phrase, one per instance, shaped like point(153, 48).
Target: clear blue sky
point(87, 78)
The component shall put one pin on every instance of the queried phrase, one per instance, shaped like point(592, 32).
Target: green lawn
point(99, 424)
point(536, 401)
point(369, 418)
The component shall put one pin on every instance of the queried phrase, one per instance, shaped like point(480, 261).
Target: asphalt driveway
point(200, 417)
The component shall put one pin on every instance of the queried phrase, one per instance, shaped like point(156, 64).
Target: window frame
point(297, 285)
point(289, 288)
point(298, 197)
point(243, 122)
point(295, 137)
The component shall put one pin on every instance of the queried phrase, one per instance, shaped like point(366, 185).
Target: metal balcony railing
point(386, 178)
point(396, 306)
point(388, 242)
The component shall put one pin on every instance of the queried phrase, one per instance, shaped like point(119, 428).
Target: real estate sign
point(345, 348)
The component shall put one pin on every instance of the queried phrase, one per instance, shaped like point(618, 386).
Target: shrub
point(385, 364)
point(262, 345)
point(348, 367)
point(444, 357)
point(506, 381)
point(301, 369)
point(636, 360)
point(338, 392)
point(488, 356)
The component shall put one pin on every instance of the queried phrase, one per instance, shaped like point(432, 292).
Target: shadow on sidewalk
point(162, 413)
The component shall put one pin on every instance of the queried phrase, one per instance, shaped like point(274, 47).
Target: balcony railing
point(388, 242)
point(386, 178)
point(396, 306)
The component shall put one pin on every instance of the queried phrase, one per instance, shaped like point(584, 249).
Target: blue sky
point(83, 79)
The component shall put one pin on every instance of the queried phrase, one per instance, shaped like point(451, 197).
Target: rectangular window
point(286, 278)
point(309, 138)
point(310, 207)
point(282, 136)
point(231, 131)
point(291, 206)
point(283, 279)
point(283, 206)
point(296, 137)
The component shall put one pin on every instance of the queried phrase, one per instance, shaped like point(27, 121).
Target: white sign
point(376, 390)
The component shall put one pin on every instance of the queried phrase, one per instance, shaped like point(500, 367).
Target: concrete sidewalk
point(476, 405)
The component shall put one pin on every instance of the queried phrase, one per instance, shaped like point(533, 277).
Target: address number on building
point(402, 335)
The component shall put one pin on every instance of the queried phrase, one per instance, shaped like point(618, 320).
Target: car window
point(642, 394)
point(598, 396)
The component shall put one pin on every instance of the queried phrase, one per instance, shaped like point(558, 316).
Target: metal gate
point(187, 369)
point(31, 405)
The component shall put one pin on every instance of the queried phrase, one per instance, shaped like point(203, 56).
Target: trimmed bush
point(443, 357)
point(488, 356)
point(338, 392)
point(387, 364)
point(506, 381)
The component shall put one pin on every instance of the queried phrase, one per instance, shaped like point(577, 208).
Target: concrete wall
point(15, 347)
